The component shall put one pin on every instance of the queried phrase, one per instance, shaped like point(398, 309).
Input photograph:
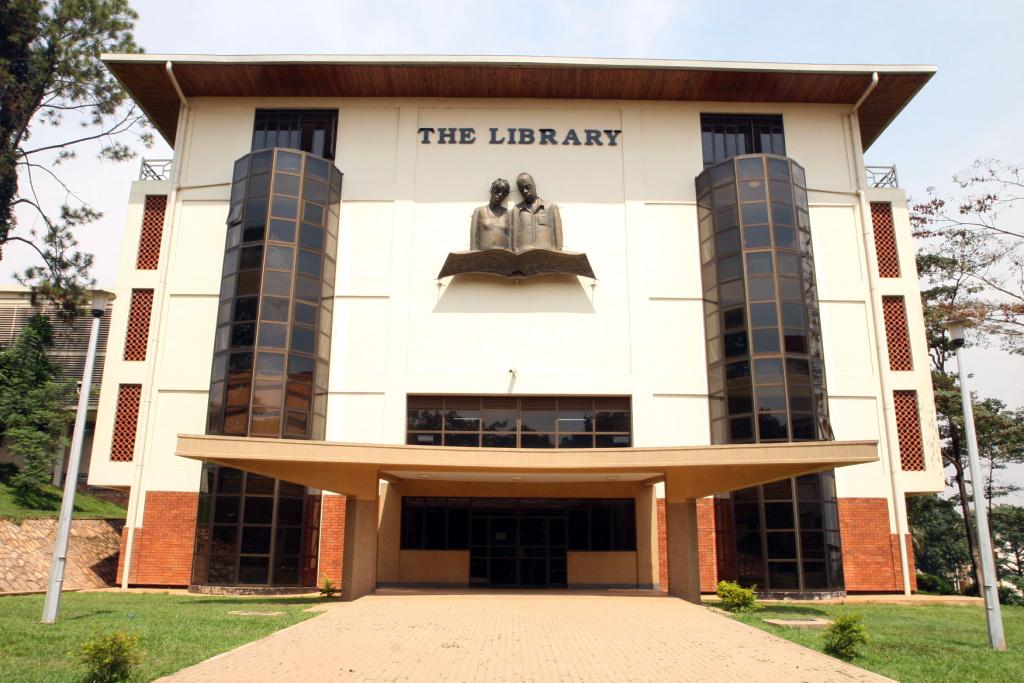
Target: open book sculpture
point(523, 242)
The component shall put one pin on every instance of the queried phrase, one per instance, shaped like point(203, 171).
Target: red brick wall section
point(707, 543)
point(662, 547)
point(332, 539)
point(725, 535)
point(871, 555)
point(163, 547)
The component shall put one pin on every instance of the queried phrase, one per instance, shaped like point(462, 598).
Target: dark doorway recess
point(518, 542)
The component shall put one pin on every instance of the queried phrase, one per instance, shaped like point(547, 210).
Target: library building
point(515, 322)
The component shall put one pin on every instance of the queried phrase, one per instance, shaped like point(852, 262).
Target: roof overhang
point(694, 470)
point(146, 78)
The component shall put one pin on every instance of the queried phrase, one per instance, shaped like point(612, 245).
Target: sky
point(971, 109)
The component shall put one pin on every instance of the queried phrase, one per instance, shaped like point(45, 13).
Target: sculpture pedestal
point(508, 264)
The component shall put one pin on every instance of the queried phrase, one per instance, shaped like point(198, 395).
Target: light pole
point(996, 638)
point(67, 505)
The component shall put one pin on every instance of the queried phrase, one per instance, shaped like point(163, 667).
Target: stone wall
point(27, 548)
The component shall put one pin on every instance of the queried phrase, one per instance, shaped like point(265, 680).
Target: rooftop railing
point(882, 176)
point(155, 169)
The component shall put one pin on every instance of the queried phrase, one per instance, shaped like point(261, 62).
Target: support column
point(359, 561)
point(681, 537)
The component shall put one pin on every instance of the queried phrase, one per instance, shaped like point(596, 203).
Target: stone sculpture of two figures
point(521, 242)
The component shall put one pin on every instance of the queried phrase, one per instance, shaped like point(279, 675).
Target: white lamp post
point(996, 638)
point(67, 505)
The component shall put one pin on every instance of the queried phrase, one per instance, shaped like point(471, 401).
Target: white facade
point(637, 330)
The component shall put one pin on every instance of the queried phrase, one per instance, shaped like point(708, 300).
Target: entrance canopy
point(694, 471)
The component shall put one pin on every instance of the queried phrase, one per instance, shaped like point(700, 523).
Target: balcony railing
point(155, 169)
point(882, 176)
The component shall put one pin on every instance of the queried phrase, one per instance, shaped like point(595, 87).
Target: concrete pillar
point(359, 561)
point(681, 538)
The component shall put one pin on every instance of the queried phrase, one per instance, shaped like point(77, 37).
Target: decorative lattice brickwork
point(122, 445)
point(137, 336)
point(894, 310)
point(885, 240)
point(152, 232)
point(908, 430)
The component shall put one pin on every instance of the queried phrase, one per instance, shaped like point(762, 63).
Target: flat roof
point(146, 79)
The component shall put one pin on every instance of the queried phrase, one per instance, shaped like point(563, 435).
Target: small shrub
point(329, 589)
point(930, 583)
point(1009, 596)
point(110, 658)
point(736, 598)
point(843, 638)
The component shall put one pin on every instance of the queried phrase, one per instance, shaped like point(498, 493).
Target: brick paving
point(401, 635)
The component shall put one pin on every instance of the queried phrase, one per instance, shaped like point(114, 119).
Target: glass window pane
point(759, 263)
point(761, 288)
point(309, 263)
point(311, 236)
point(274, 309)
point(464, 440)
point(765, 341)
point(783, 576)
point(756, 236)
point(535, 440)
point(272, 335)
point(763, 315)
point(499, 440)
point(772, 426)
point(741, 429)
point(282, 230)
point(785, 238)
point(771, 399)
point(279, 284)
point(279, 258)
point(752, 190)
point(768, 370)
point(755, 214)
point(779, 516)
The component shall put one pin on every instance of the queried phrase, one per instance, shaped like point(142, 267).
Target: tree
point(970, 263)
point(33, 406)
point(50, 70)
point(1008, 538)
point(975, 250)
point(936, 531)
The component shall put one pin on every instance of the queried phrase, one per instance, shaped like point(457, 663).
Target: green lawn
point(48, 505)
point(175, 630)
point(916, 643)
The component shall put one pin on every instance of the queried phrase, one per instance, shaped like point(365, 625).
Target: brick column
point(707, 532)
point(871, 554)
point(332, 539)
point(164, 544)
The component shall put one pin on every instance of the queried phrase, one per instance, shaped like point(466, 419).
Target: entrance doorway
point(518, 543)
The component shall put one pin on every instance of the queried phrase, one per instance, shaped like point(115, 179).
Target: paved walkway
point(520, 636)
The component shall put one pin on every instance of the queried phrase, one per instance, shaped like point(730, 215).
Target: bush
point(329, 590)
point(736, 598)
point(1009, 596)
point(930, 583)
point(110, 658)
point(843, 638)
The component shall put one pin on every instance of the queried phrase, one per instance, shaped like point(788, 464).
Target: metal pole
point(60, 547)
point(996, 638)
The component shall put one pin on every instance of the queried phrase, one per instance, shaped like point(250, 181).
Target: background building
point(71, 340)
point(754, 318)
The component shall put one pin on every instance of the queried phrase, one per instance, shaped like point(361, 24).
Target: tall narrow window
point(727, 135)
point(885, 240)
point(136, 338)
point(308, 130)
point(126, 419)
point(152, 232)
point(908, 431)
point(895, 312)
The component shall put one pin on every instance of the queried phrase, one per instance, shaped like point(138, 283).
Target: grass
point(913, 643)
point(47, 504)
point(175, 630)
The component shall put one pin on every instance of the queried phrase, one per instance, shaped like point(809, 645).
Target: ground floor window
point(519, 422)
point(787, 535)
point(254, 530)
point(518, 541)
